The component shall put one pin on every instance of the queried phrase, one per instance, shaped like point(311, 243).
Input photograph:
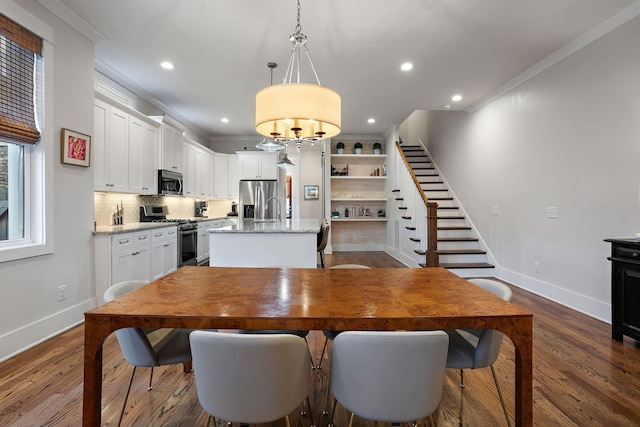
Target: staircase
point(457, 246)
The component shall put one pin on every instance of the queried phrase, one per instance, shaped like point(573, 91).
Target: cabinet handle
point(635, 254)
point(123, 242)
point(142, 238)
point(168, 244)
point(135, 253)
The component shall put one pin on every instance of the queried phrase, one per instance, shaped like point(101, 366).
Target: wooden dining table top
point(334, 299)
point(314, 299)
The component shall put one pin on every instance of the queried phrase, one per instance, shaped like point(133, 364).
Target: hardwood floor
point(581, 378)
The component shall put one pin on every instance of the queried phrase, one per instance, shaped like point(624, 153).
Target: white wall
point(29, 311)
point(568, 138)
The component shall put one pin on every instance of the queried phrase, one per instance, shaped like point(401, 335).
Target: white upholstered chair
point(149, 347)
point(249, 378)
point(389, 376)
point(478, 348)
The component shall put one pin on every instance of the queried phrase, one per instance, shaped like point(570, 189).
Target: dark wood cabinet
point(625, 288)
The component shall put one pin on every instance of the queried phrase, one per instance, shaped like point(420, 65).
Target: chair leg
point(461, 397)
point(126, 396)
point(351, 420)
point(504, 408)
point(322, 259)
point(208, 424)
point(324, 348)
point(310, 411)
point(309, 351)
point(286, 419)
point(150, 379)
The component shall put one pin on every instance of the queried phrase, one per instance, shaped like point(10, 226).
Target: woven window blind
point(18, 50)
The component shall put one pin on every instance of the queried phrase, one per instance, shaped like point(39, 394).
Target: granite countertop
point(141, 226)
point(287, 226)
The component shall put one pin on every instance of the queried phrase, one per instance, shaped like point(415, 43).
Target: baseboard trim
point(25, 337)
point(591, 307)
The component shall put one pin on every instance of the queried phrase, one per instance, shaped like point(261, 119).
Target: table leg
point(92, 393)
point(522, 339)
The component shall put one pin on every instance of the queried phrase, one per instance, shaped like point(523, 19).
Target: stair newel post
point(432, 235)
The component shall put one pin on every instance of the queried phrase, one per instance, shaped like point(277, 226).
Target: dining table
point(314, 299)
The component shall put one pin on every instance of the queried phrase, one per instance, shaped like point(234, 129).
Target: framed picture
point(76, 148)
point(311, 192)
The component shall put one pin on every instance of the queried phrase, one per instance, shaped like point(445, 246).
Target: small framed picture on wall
point(311, 192)
point(76, 148)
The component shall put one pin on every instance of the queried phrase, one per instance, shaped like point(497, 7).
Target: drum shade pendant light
point(297, 112)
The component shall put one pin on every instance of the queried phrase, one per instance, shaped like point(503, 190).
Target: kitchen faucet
point(279, 209)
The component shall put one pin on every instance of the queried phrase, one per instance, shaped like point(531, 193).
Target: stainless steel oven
point(187, 244)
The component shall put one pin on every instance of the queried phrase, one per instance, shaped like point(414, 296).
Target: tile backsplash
point(105, 204)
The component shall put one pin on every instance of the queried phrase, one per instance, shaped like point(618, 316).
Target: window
point(24, 148)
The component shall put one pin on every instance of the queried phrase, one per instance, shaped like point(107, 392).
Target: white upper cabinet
point(171, 148)
point(143, 140)
point(124, 150)
point(221, 176)
point(234, 176)
point(258, 165)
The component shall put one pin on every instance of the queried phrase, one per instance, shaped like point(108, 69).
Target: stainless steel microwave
point(169, 183)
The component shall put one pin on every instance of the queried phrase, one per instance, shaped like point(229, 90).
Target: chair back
point(489, 340)
point(323, 235)
point(250, 378)
point(135, 346)
point(389, 376)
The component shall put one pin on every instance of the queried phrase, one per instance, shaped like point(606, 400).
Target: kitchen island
point(289, 243)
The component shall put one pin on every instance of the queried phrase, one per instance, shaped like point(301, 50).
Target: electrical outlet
point(494, 210)
point(61, 292)
point(536, 266)
point(552, 212)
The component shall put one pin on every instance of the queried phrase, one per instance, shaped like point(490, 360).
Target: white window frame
point(38, 158)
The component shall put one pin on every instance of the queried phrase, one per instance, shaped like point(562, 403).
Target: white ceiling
point(220, 49)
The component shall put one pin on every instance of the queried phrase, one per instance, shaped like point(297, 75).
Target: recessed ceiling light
point(166, 65)
point(371, 120)
point(224, 120)
point(406, 66)
point(456, 98)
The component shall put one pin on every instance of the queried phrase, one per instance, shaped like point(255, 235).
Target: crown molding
point(72, 18)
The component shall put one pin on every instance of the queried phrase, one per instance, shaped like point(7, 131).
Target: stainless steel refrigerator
point(259, 200)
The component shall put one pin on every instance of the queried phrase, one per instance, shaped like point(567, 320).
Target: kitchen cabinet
point(131, 257)
point(199, 171)
point(258, 165)
point(137, 255)
point(124, 149)
point(110, 148)
point(358, 195)
point(234, 176)
point(221, 181)
point(625, 288)
point(203, 238)
point(189, 173)
point(143, 141)
point(164, 251)
point(171, 155)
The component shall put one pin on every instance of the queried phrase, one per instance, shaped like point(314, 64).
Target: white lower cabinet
point(138, 255)
point(203, 238)
point(164, 252)
point(131, 257)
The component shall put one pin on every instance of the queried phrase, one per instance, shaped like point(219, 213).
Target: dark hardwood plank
point(581, 378)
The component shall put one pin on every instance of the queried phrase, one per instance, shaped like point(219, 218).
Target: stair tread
point(448, 207)
point(419, 252)
point(454, 228)
point(404, 208)
point(406, 217)
point(467, 265)
point(395, 191)
point(451, 217)
point(461, 252)
point(436, 189)
point(441, 198)
point(414, 239)
point(410, 228)
point(457, 239)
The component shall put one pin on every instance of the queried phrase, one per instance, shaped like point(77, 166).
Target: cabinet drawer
point(123, 241)
point(167, 233)
point(628, 253)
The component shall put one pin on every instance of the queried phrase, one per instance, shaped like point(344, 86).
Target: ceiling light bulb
point(406, 66)
point(371, 120)
point(167, 65)
point(456, 98)
point(224, 120)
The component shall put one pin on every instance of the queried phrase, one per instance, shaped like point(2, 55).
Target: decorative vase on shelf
point(357, 148)
point(377, 148)
point(340, 147)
